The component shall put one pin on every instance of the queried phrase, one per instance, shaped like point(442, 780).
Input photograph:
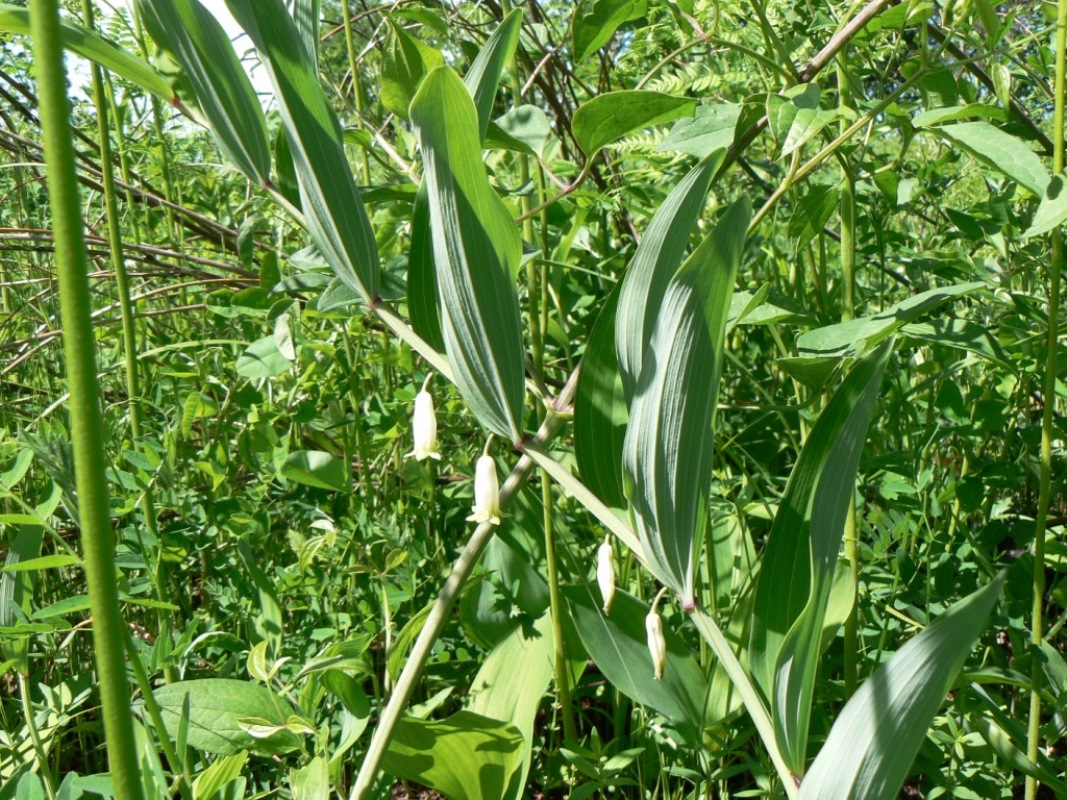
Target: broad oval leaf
point(595, 22)
point(476, 248)
point(196, 40)
point(1052, 210)
point(873, 743)
point(333, 210)
point(654, 264)
point(1003, 152)
point(667, 453)
point(611, 116)
point(464, 757)
point(218, 713)
point(799, 565)
point(316, 468)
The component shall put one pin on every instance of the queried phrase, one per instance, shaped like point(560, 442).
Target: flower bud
point(657, 645)
point(486, 492)
point(424, 428)
point(605, 574)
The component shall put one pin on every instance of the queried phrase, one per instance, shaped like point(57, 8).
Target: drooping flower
point(657, 645)
point(605, 573)
point(486, 492)
point(424, 428)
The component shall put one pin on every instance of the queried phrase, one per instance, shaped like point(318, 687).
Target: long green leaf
point(654, 264)
point(667, 452)
point(617, 643)
point(600, 411)
point(91, 45)
point(595, 22)
point(194, 38)
point(334, 212)
point(798, 572)
point(482, 81)
point(873, 743)
point(476, 248)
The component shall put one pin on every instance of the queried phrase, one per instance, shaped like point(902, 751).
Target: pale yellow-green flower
point(657, 644)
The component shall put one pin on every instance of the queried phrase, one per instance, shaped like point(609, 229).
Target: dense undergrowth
point(845, 419)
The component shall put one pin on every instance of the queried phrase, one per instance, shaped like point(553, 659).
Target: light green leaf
point(86, 43)
point(799, 566)
point(405, 63)
point(600, 410)
point(306, 17)
point(667, 452)
point(610, 116)
point(618, 644)
point(483, 78)
point(654, 264)
point(511, 684)
point(222, 771)
point(216, 707)
point(1052, 210)
point(333, 210)
point(311, 782)
point(529, 126)
point(476, 249)
point(859, 335)
point(18, 469)
point(595, 22)
point(1001, 151)
point(262, 359)
point(316, 468)
point(192, 36)
point(464, 757)
point(711, 129)
point(872, 745)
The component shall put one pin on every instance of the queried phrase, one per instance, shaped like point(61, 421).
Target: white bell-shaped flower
point(657, 644)
point(605, 573)
point(424, 428)
point(486, 492)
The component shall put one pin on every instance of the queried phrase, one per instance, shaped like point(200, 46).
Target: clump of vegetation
point(489, 401)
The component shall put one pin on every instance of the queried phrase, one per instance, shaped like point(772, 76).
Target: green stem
point(86, 422)
point(126, 310)
point(563, 683)
point(848, 311)
point(446, 598)
point(357, 90)
point(713, 635)
point(35, 738)
point(1037, 624)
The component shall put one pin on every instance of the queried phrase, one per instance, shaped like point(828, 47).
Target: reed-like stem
point(86, 421)
point(1037, 617)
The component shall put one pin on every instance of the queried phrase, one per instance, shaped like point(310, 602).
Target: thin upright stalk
point(35, 738)
point(848, 310)
point(86, 421)
point(446, 598)
point(357, 90)
point(1037, 622)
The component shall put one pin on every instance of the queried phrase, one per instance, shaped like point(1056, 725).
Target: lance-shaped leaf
point(334, 212)
point(93, 46)
point(600, 411)
point(611, 116)
point(476, 247)
point(654, 264)
point(482, 81)
point(194, 38)
point(872, 745)
point(798, 572)
point(667, 453)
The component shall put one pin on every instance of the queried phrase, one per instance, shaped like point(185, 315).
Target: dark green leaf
point(595, 22)
point(316, 468)
point(611, 116)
